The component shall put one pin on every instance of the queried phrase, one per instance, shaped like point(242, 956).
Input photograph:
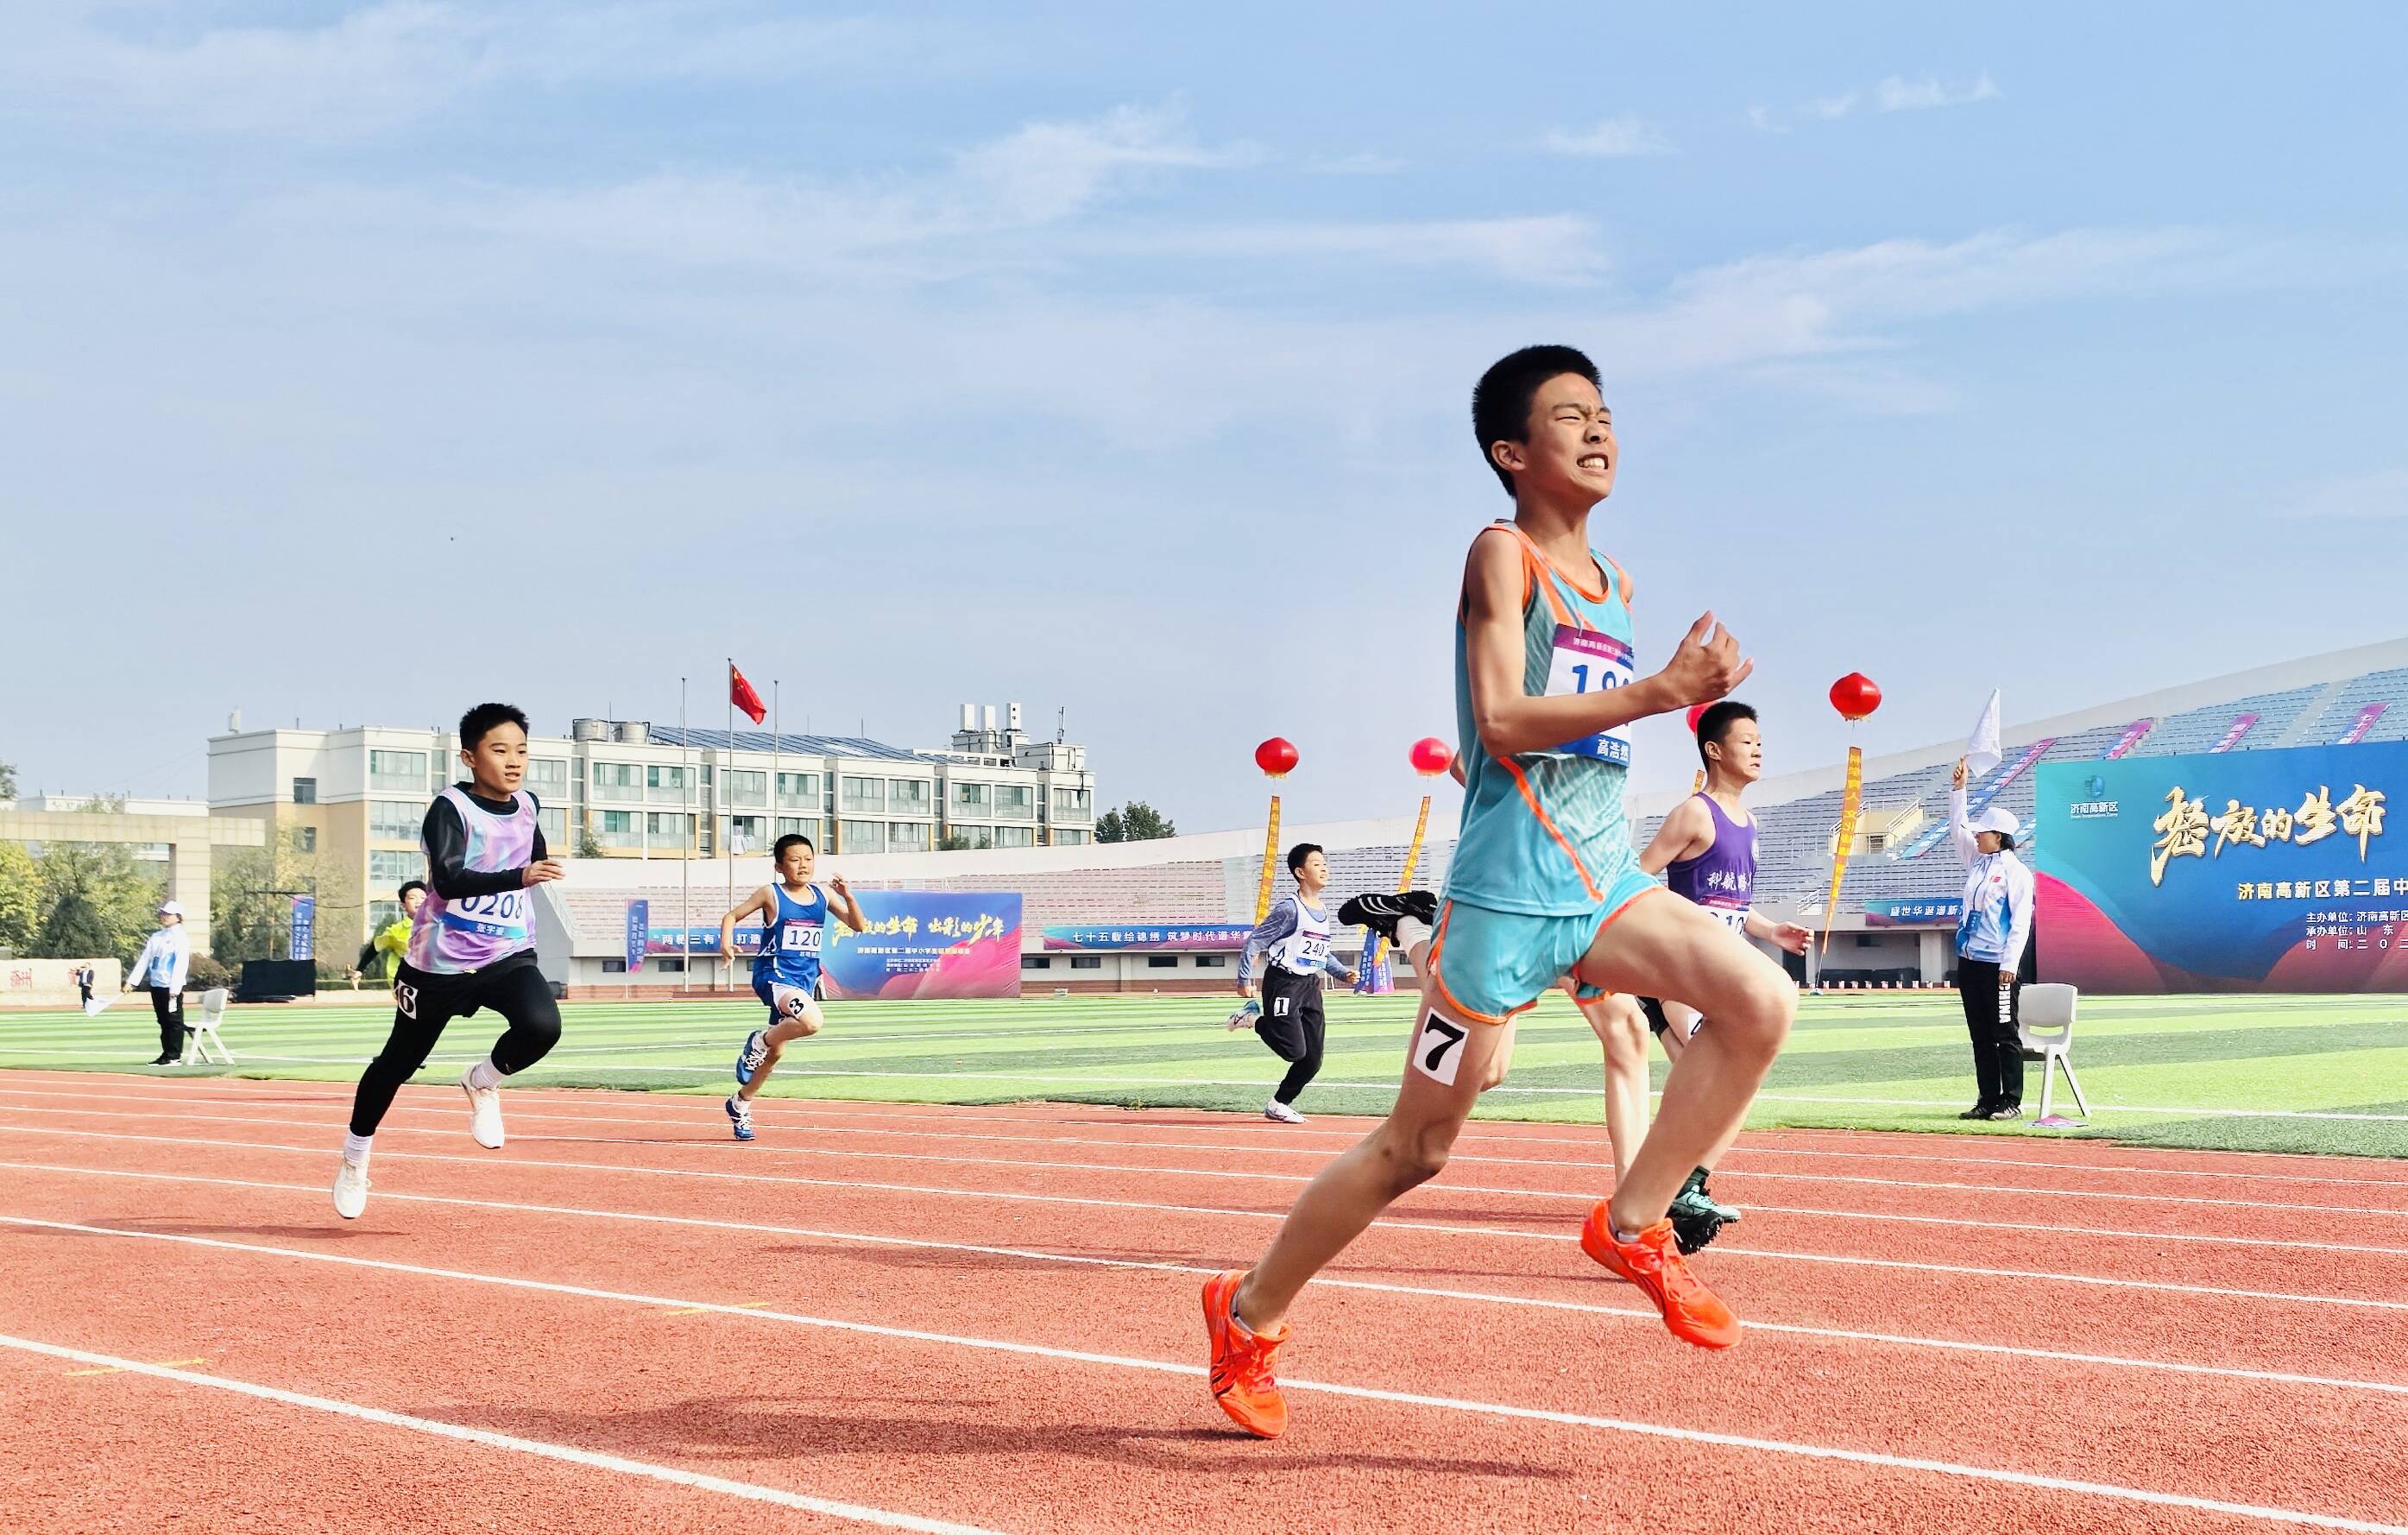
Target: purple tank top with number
point(1722, 879)
point(451, 938)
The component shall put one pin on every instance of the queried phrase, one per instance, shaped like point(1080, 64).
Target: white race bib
point(1586, 661)
point(800, 937)
point(501, 914)
point(1732, 917)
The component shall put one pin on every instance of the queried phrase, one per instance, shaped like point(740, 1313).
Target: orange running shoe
point(1241, 1361)
point(1652, 1260)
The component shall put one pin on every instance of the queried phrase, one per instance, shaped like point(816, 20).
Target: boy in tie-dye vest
point(471, 943)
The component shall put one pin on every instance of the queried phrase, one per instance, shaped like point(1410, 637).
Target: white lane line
point(1450, 1404)
point(594, 1459)
point(588, 1112)
point(1722, 1249)
point(1571, 1196)
point(1323, 1281)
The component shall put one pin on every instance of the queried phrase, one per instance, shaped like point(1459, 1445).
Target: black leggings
point(1293, 1026)
point(169, 1006)
point(1991, 1014)
point(424, 1003)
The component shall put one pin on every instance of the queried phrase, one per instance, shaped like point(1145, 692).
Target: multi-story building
point(353, 799)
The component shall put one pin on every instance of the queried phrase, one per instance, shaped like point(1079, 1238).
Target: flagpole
point(685, 866)
point(727, 843)
point(774, 722)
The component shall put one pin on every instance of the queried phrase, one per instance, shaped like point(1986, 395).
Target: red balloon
point(1433, 756)
point(1856, 695)
point(1696, 712)
point(1276, 756)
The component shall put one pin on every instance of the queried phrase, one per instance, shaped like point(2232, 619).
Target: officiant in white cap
point(161, 969)
point(1992, 935)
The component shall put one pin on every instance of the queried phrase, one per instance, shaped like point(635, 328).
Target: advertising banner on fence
point(304, 927)
point(1149, 937)
point(1933, 912)
point(2268, 870)
point(919, 943)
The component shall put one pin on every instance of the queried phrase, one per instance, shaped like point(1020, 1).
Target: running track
point(898, 1316)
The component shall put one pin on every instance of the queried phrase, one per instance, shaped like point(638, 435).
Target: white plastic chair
point(200, 1035)
point(2047, 1032)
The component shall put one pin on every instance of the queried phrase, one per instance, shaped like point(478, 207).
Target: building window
point(907, 837)
point(616, 829)
point(305, 791)
point(1015, 836)
point(382, 914)
point(667, 785)
point(1066, 839)
point(617, 780)
point(554, 823)
point(396, 820)
point(800, 791)
point(749, 789)
point(1015, 802)
point(664, 826)
point(1211, 962)
point(393, 869)
point(799, 826)
point(1077, 803)
point(908, 795)
point(1162, 962)
point(1087, 962)
point(397, 770)
point(548, 777)
point(749, 833)
point(675, 966)
point(861, 793)
point(1036, 962)
point(305, 838)
point(614, 967)
point(861, 835)
point(973, 798)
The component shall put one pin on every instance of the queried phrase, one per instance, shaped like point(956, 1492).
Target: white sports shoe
point(350, 1190)
point(484, 1113)
point(1283, 1112)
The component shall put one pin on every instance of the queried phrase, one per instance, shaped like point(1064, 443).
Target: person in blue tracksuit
point(1991, 937)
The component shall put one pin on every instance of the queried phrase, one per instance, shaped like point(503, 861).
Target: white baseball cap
point(2000, 819)
point(171, 908)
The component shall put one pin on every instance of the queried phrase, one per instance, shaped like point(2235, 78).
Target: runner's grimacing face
point(1569, 445)
point(498, 763)
point(1743, 752)
point(796, 867)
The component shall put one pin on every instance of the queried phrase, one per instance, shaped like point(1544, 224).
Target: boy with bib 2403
point(471, 943)
point(1544, 882)
point(786, 972)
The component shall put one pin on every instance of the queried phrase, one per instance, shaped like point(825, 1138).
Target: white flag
point(1982, 752)
point(100, 1001)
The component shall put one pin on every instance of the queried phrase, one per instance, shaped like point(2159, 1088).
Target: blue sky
point(364, 362)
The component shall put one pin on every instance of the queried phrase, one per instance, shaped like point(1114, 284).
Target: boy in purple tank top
point(471, 943)
point(1706, 852)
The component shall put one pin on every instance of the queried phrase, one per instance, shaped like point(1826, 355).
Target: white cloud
point(2381, 494)
point(1048, 170)
point(1895, 94)
point(1616, 138)
point(1552, 249)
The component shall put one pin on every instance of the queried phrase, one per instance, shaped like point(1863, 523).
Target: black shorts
point(1291, 1005)
point(431, 1000)
point(1658, 1022)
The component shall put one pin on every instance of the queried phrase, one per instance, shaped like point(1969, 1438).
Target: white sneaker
point(484, 1113)
point(1283, 1112)
point(350, 1190)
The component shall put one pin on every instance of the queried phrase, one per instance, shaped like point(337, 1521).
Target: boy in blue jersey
point(786, 972)
point(1545, 883)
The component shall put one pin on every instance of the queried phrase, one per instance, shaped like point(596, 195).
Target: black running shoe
point(1978, 1111)
point(1696, 1217)
point(1380, 913)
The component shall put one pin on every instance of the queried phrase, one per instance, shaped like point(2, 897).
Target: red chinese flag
point(740, 694)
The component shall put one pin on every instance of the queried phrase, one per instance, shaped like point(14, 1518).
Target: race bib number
point(1438, 1049)
point(801, 938)
point(1732, 917)
point(501, 914)
point(1585, 662)
point(1313, 950)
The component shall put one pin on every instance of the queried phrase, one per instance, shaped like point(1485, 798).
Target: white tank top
point(1306, 951)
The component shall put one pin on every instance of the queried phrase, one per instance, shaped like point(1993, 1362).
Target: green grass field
point(2262, 1073)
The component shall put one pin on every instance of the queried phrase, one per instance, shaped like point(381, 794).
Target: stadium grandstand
point(1168, 915)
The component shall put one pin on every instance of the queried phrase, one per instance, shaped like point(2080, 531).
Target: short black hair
point(479, 722)
point(2006, 842)
point(1298, 854)
point(1500, 401)
point(407, 886)
point(777, 851)
point(1716, 722)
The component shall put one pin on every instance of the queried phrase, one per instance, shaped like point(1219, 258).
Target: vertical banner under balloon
point(1851, 801)
point(1271, 864)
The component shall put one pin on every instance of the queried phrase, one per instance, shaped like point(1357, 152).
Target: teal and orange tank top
point(1545, 832)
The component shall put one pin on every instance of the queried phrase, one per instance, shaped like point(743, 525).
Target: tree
point(1135, 821)
point(22, 908)
point(588, 846)
point(7, 781)
point(250, 902)
point(97, 899)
